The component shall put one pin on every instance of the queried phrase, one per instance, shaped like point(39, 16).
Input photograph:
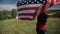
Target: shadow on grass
point(58, 26)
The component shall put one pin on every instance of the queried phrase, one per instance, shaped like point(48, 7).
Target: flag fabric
point(48, 4)
point(29, 9)
point(54, 1)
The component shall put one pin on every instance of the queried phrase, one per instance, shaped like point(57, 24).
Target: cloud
point(7, 7)
point(13, 6)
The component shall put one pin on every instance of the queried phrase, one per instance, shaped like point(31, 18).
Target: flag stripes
point(28, 10)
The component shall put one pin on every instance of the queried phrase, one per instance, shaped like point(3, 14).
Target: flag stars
point(18, 3)
point(37, 1)
point(22, 3)
point(41, 0)
point(32, 2)
point(27, 2)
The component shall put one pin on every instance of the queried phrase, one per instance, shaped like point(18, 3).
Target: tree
point(13, 13)
point(1, 15)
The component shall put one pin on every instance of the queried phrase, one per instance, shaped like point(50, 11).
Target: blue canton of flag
point(25, 2)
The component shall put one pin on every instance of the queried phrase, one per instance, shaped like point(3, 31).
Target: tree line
point(5, 14)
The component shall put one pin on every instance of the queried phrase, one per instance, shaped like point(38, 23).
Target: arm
point(51, 14)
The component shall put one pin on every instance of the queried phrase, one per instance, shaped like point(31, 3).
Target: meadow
point(13, 26)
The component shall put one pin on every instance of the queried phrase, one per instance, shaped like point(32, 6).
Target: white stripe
point(49, 1)
point(55, 1)
point(47, 6)
point(39, 10)
point(31, 17)
point(26, 11)
point(29, 5)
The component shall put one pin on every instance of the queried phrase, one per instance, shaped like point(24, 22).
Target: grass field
point(13, 26)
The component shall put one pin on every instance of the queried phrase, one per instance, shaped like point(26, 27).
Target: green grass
point(13, 26)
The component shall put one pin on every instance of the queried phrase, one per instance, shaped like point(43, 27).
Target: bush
point(5, 14)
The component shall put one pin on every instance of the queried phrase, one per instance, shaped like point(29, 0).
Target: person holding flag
point(41, 22)
point(42, 17)
point(29, 9)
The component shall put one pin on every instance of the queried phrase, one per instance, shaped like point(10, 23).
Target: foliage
point(57, 14)
point(5, 14)
point(13, 13)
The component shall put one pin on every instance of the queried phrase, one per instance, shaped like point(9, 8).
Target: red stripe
point(34, 15)
point(51, 5)
point(29, 8)
point(57, 1)
point(52, 2)
point(26, 14)
point(25, 19)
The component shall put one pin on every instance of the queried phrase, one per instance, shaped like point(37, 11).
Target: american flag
point(29, 9)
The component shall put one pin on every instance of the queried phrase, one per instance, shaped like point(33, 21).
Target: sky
point(10, 4)
point(7, 4)
point(8, 1)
